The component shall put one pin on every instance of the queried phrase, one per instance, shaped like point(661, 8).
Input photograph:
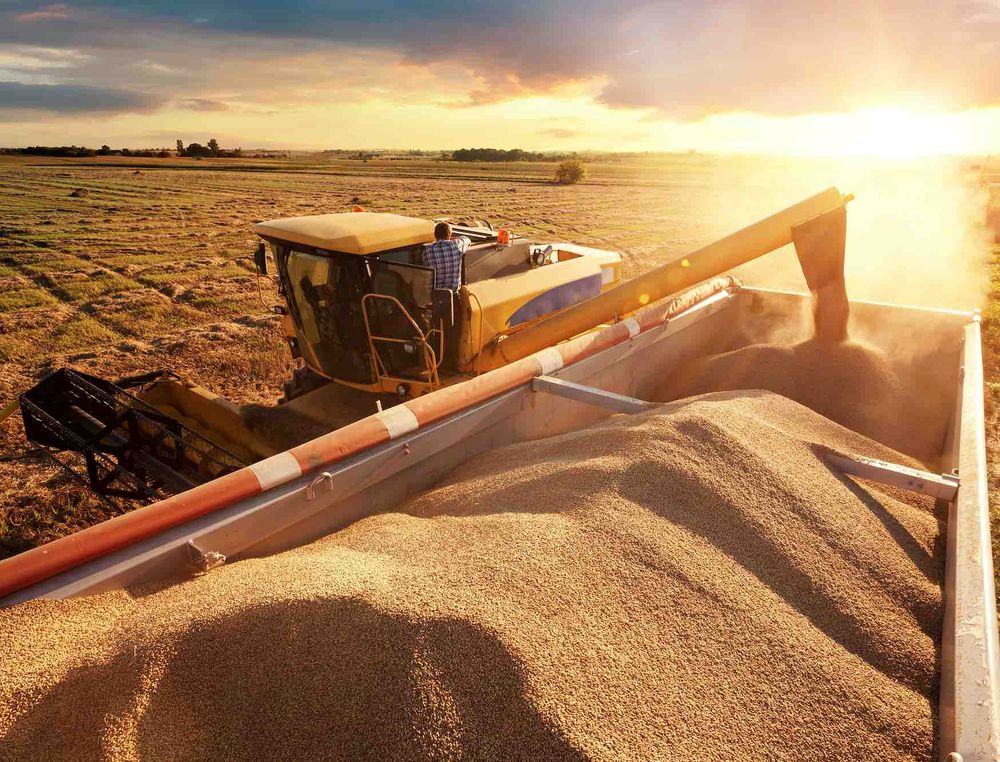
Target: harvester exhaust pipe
point(816, 225)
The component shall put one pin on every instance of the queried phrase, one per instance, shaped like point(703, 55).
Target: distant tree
point(196, 150)
point(213, 147)
point(77, 151)
point(180, 148)
point(163, 153)
point(104, 151)
point(571, 171)
point(496, 154)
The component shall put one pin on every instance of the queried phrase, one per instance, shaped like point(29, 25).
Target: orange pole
point(46, 561)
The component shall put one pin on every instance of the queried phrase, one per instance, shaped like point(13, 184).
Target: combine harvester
point(539, 341)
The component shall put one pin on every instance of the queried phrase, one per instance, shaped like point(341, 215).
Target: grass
point(15, 296)
point(185, 276)
point(80, 332)
point(143, 314)
point(143, 273)
point(76, 286)
point(41, 264)
point(121, 261)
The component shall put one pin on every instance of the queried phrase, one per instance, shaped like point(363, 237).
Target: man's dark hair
point(442, 231)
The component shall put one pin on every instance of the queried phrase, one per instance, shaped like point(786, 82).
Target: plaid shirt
point(446, 259)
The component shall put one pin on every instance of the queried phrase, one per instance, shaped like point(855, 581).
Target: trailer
point(373, 464)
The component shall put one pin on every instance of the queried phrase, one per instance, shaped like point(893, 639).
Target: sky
point(801, 77)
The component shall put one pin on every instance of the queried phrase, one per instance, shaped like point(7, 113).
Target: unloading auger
point(816, 226)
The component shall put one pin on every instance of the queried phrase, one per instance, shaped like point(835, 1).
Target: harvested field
point(692, 583)
point(141, 272)
point(131, 276)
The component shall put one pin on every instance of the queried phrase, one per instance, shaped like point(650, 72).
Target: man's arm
point(462, 242)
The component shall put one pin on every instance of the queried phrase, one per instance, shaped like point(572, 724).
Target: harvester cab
point(360, 308)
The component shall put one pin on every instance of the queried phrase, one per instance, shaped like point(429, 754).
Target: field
point(118, 267)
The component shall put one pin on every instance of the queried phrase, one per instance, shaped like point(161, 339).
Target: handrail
point(430, 359)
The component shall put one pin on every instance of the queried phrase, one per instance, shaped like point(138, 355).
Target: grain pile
point(854, 384)
point(692, 583)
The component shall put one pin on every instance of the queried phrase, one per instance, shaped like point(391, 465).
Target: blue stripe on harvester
point(557, 298)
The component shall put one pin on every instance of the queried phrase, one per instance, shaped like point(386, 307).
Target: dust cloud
point(916, 232)
point(916, 235)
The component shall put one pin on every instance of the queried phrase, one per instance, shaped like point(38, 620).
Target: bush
point(571, 171)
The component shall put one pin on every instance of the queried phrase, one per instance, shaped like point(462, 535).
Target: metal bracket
point(204, 560)
point(590, 395)
point(940, 486)
point(326, 476)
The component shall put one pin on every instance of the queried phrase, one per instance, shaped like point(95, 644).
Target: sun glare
point(896, 133)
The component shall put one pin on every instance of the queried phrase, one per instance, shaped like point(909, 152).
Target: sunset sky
point(766, 76)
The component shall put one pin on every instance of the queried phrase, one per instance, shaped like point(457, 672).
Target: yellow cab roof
point(350, 232)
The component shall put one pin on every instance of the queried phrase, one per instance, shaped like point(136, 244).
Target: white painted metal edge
point(970, 668)
point(940, 486)
point(398, 420)
point(590, 395)
point(276, 470)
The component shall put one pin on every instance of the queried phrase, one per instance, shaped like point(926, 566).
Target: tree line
point(210, 149)
point(499, 154)
point(84, 152)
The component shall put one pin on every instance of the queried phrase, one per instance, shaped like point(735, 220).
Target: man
point(445, 256)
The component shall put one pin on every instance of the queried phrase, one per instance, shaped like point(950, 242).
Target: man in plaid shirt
point(445, 256)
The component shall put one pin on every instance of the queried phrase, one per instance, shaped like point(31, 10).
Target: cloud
point(688, 60)
point(32, 58)
point(72, 99)
point(561, 133)
point(676, 60)
point(35, 65)
point(46, 13)
point(203, 104)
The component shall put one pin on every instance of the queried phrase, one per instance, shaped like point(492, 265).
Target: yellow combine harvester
point(361, 311)
point(360, 307)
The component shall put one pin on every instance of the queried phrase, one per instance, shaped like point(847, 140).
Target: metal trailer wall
point(969, 713)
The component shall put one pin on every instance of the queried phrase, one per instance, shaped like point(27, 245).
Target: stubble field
point(120, 267)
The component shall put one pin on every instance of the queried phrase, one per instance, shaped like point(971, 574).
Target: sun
point(898, 133)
